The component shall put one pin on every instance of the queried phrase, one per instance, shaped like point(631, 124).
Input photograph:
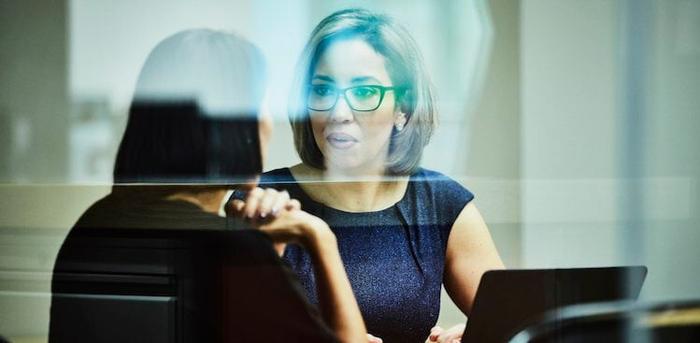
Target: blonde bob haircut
point(405, 68)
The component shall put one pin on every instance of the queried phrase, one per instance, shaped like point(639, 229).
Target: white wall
point(671, 152)
point(609, 157)
point(33, 101)
point(568, 133)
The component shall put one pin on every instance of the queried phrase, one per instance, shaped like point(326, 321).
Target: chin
point(342, 163)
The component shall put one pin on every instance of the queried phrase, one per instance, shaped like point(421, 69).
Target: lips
point(341, 140)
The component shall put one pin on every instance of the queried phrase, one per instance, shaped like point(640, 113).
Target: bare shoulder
point(470, 235)
point(470, 253)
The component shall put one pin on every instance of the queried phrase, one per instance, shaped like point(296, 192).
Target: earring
point(400, 122)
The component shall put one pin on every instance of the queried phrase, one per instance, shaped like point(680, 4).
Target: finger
point(435, 333)
point(445, 338)
point(280, 201)
point(453, 334)
point(373, 339)
point(279, 248)
point(266, 202)
point(252, 202)
point(293, 204)
point(236, 207)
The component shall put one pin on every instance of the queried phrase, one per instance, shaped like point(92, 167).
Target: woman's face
point(353, 142)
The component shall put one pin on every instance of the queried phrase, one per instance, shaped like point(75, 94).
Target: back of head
point(194, 114)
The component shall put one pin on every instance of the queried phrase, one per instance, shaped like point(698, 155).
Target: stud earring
point(400, 122)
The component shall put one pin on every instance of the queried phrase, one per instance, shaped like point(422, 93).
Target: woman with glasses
point(361, 113)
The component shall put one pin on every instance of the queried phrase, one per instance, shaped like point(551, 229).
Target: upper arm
point(470, 253)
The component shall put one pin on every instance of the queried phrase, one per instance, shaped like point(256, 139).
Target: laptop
point(507, 301)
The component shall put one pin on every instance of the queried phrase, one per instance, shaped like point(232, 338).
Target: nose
point(341, 112)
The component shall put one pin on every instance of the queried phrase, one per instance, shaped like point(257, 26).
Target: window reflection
point(573, 123)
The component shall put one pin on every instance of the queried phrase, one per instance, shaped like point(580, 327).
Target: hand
point(373, 339)
point(297, 226)
point(451, 335)
point(261, 204)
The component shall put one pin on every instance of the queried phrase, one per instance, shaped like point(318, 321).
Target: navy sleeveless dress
point(394, 257)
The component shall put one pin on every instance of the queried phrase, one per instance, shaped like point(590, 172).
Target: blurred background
point(574, 122)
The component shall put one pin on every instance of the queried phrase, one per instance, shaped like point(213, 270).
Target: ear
point(399, 121)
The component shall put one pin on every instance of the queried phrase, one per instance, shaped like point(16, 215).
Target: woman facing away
point(361, 112)
point(194, 128)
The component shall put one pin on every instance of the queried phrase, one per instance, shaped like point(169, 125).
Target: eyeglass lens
point(359, 98)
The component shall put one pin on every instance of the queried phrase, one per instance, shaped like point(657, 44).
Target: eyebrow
point(361, 79)
point(323, 78)
point(354, 80)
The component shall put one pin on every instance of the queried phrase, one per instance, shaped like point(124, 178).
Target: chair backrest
point(134, 285)
point(617, 322)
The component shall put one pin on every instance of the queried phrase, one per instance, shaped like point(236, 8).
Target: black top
point(143, 269)
point(394, 257)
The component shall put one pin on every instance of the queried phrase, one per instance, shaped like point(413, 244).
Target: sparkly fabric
point(394, 257)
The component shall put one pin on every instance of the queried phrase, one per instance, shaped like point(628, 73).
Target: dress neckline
point(307, 198)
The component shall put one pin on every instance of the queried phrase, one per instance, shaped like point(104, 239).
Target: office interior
point(575, 124)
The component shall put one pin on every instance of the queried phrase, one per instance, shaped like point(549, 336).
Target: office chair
point(617, 322)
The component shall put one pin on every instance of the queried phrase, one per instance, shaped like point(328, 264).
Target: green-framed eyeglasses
point(367, 98)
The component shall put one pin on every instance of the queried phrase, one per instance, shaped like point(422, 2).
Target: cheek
point(317, 127)
point(379, 128)
point(380, 137)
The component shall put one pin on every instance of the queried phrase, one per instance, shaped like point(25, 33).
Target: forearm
point(336, 299)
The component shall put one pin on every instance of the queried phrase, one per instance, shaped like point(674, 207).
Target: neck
point(348, 192)
point(209, 200)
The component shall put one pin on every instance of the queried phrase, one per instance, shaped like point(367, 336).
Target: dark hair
point(406, 70)
point(175, 143)
point(194, 114)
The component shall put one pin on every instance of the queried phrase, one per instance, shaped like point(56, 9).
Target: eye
point(364, 92)
point(322, 90)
